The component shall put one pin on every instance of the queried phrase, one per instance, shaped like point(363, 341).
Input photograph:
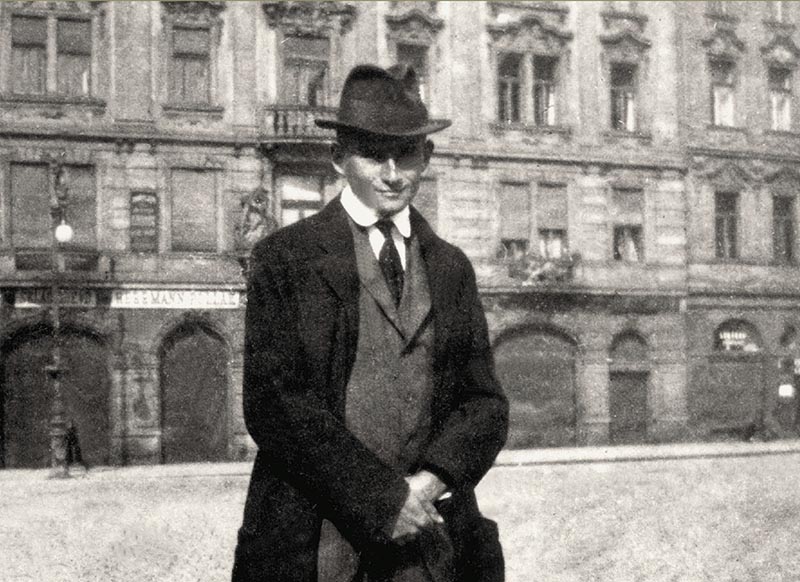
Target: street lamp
point(62, 234)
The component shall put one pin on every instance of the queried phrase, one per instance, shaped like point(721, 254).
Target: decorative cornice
point(78, 7)
point(415, 25)
point(723, 42)
point(554, 13)
point(625, 41)
point(190, 12)
point(781, 50)
point(530, 31)
point(316, 18)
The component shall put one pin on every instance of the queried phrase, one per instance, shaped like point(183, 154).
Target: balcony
point(295, 123)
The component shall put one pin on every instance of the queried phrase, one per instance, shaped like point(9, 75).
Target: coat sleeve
point(475, 427)
point(305, 443)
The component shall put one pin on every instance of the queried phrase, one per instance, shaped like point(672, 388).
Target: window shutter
point(31, 225)
point(194, 211)
point(514, 212)
point(551, 204)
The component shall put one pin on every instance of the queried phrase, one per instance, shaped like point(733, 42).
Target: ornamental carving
point(781, 51)
point(723, 43)
point(730, 173)
point(186, 12)
point(310, 18)
point(625, 45)
point(61, 7)
point(414, 26)
point(553, 14)
point(529, 33)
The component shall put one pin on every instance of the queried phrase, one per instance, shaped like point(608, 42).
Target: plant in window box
point(531, 267)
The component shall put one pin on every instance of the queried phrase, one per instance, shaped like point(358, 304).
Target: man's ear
point(337, 158)
point(428, 150)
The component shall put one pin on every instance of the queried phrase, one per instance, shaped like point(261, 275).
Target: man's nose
point(389, 172)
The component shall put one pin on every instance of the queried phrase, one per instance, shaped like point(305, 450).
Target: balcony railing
point(531, 269)
point(297, 121)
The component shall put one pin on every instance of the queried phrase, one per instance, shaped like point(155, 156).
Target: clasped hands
point(418, 512)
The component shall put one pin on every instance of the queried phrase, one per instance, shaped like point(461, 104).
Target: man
point(369, 384)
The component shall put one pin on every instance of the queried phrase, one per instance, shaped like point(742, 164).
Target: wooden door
point(194, 395)
point(628, 407)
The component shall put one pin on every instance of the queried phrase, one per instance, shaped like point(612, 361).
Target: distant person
point(369, 383)
point(73, 445)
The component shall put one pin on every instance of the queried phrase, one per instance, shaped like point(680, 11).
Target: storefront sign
point(144, 222)
point(31, 298)
point(737, 341)
point(175, 299)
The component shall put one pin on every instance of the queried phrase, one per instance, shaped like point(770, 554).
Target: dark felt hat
point(384, 102)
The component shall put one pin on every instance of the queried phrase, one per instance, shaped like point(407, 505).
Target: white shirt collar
point(365, 216)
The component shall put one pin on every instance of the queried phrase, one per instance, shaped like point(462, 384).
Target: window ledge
point(642, 136)
point(205, 109)
point(52, 99)
point(530, 128)
point(727, 128)
point(782, 133)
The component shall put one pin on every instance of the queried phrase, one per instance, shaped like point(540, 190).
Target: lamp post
point(62, 233)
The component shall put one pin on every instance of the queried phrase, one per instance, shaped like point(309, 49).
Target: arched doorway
point(27, 396)
point(537, 371)
point(629, 372)
point(194, 389)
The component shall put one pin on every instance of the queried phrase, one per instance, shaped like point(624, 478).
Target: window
point(74, 49)
point(628, 214)
point(32, 47)
point(551, 220)
point(623, 96)
point(722, 92)
point(780, 95)
point(783, 229)
point(539, 90)
point(544, 90)
point(190, 65)
point(29, 54)
point(726, 216)
point(508, 105)
point(194, 211)
point(301, 196)
point(305, 70)
point(515, 219)
point(31, 225)
point(416, 56)
point(31, 191)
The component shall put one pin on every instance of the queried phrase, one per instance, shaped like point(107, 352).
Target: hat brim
point(432, 126)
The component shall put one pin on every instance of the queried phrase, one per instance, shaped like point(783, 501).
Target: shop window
point(722, 92)
point(32, 46)
point(301, 196)
point(783, 229)
point(551, 220)
point(416, 56)
point(780, 95)
point(305, 70)
point(628, 217)
point(726, 225)
point(194, 211)
point(515, 219)
point(190, 65)
point(623, 96)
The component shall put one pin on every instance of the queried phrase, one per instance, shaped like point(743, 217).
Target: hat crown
point(383, 101)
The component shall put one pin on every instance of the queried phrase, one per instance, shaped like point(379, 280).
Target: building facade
point(623, 176)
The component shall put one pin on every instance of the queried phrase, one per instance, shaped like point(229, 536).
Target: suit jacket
point(301, 337)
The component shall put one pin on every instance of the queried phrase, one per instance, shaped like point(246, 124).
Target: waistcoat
point(389, 393)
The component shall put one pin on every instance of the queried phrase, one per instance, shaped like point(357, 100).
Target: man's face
point(382, 171)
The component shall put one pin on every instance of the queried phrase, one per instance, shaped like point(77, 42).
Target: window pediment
point(203, 13)
point(782, 51)
point(414, 26)
point(310, 18)
point(625, 45)
point(723, 43)
point(783, 180)
point(529, 33)
point(80, 7)
point(728, 175)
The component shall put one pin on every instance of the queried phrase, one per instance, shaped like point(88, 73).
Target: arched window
point(737, 336)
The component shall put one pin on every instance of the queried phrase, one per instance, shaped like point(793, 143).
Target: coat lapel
point(337, 265)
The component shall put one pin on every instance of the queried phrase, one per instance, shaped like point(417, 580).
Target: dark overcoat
point(300, 345)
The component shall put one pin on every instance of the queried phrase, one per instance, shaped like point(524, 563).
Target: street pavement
point(693, 512)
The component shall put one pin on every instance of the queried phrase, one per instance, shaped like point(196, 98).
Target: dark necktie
point(389, 260)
